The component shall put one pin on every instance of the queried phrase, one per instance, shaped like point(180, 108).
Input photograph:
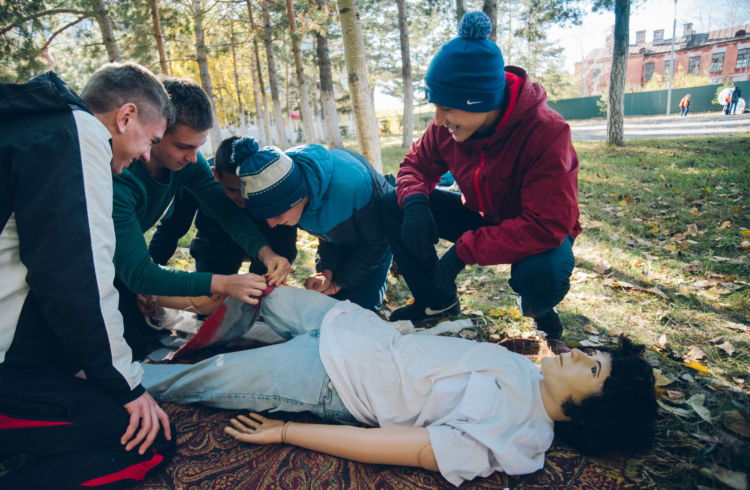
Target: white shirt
point(480, 402)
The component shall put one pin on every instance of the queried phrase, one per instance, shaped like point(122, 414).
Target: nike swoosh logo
point(430, 311)
point(472, 102)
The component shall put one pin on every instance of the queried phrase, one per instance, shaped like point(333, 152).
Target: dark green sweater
point(139, 202)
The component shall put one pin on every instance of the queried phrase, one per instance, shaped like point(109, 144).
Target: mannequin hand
point(418, 229)
point(256, 429)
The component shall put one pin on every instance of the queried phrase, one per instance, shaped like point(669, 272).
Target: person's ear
point(216, 174)
point(125, 115)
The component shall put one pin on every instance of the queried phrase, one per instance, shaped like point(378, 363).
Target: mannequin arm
point(397, 446)
point(203, 305)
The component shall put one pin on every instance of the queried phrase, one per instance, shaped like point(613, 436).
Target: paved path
point(672, 126)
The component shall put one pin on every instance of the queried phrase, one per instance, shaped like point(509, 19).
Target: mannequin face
point(575, 374)
point(462, 124)
point(291, 217)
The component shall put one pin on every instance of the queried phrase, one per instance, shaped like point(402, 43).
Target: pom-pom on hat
point(468, 72)
point(271, 182)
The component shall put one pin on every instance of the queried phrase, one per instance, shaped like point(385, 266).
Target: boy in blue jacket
point(332, 194)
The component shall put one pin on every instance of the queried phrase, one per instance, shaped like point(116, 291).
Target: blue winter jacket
point(343, 211)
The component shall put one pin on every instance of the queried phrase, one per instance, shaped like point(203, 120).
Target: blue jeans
point(369, 293)
point(542, 280)
point(285, 377)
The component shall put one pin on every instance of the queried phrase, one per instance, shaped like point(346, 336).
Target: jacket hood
point(525, 96)
point(316, 164)
point(47, 93)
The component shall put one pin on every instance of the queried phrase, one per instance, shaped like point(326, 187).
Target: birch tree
point(261, 104)
point(327, 96)
point(273, 80)
point(407, 122)
point(201, 52)
point(359, 87)
point(158, 37)
point(304, 104)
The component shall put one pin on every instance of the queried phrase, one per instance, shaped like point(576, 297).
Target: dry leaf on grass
point(696, 353)
point(725, 224)
point(660, 379)
point(733, 479)
point(696, 403)
point(698, 366)
point(734, 421)
point(727, 347)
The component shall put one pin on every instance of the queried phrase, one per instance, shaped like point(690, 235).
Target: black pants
point(542, 280)
point(71, 430)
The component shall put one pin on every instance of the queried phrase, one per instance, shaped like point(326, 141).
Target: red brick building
point(717, 54)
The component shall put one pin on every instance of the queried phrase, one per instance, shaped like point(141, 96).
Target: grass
point(663, 258)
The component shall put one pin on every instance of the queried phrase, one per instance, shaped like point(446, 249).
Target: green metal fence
point(648, 103)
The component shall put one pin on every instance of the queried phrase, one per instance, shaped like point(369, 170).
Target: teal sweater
point(139, 202)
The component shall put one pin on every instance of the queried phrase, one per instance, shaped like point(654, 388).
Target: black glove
point(418, 230)
point(446, 270)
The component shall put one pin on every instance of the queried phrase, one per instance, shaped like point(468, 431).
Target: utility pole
point(671, 58)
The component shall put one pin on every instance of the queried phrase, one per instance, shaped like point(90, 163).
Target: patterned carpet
point(207, 458)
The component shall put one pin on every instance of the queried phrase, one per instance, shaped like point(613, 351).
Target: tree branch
point(42, 14)
point(54, 35)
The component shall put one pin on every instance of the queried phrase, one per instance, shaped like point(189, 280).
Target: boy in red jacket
point(513, 160)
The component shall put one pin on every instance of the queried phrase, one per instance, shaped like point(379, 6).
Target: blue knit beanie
point(468, 73)
point(271, 182)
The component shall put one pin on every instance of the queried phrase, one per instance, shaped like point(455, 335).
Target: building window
point(743, 56)
point(667, 68)
point(648, 72)
point(694, 65)
point(659, 35)
point(717, 62)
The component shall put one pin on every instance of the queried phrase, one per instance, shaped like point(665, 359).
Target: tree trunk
point(273, 80)
point(489, 7)
point(105, 25)
point(359, 88)
point(407, 122)
point(241, 109)
point(261, 117)
point(259, 85)
point(157, 35)
point(327, 96)
point(616, 109)
point(460, 11)
point(304, 103)
point(202, 59)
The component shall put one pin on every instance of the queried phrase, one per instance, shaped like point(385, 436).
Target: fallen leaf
point(591, 329)
point(473, 312)
point(745, 245)
point(696, 353)
point(658, 292)
point(695, 212)
point(670, 248)
point(698, 366)
point(675, 396)
point(677, 237)
point(496, 312)
point(614, 332)
point(725, 224)
point(662, 340)
point(745, 233)
point(514, 313)
point(727, 347)
point(694, 267)
point(622, 203)
point(696, 403)
point(735, 422)
point(660, 379)
point(733, 479)
point(680, 412)
point(603, 268)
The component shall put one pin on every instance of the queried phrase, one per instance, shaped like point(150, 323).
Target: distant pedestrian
point(727, 103)
point(685, 105)
point(735, 99)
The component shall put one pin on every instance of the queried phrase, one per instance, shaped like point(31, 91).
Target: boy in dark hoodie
point(513, 160)
point(332, 194)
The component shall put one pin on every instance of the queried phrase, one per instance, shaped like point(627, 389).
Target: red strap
point(13, 423)
point(136, 472)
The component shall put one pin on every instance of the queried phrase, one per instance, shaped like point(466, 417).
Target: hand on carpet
point(256, 429)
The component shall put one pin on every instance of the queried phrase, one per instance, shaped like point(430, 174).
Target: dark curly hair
point(223, 162)
point(191, 105)
point(622, 416)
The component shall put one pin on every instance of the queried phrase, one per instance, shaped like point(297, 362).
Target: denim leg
point(283, 377)
point(291, 311)
point(369, 294)
point(543, 280)
point(452, 219)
